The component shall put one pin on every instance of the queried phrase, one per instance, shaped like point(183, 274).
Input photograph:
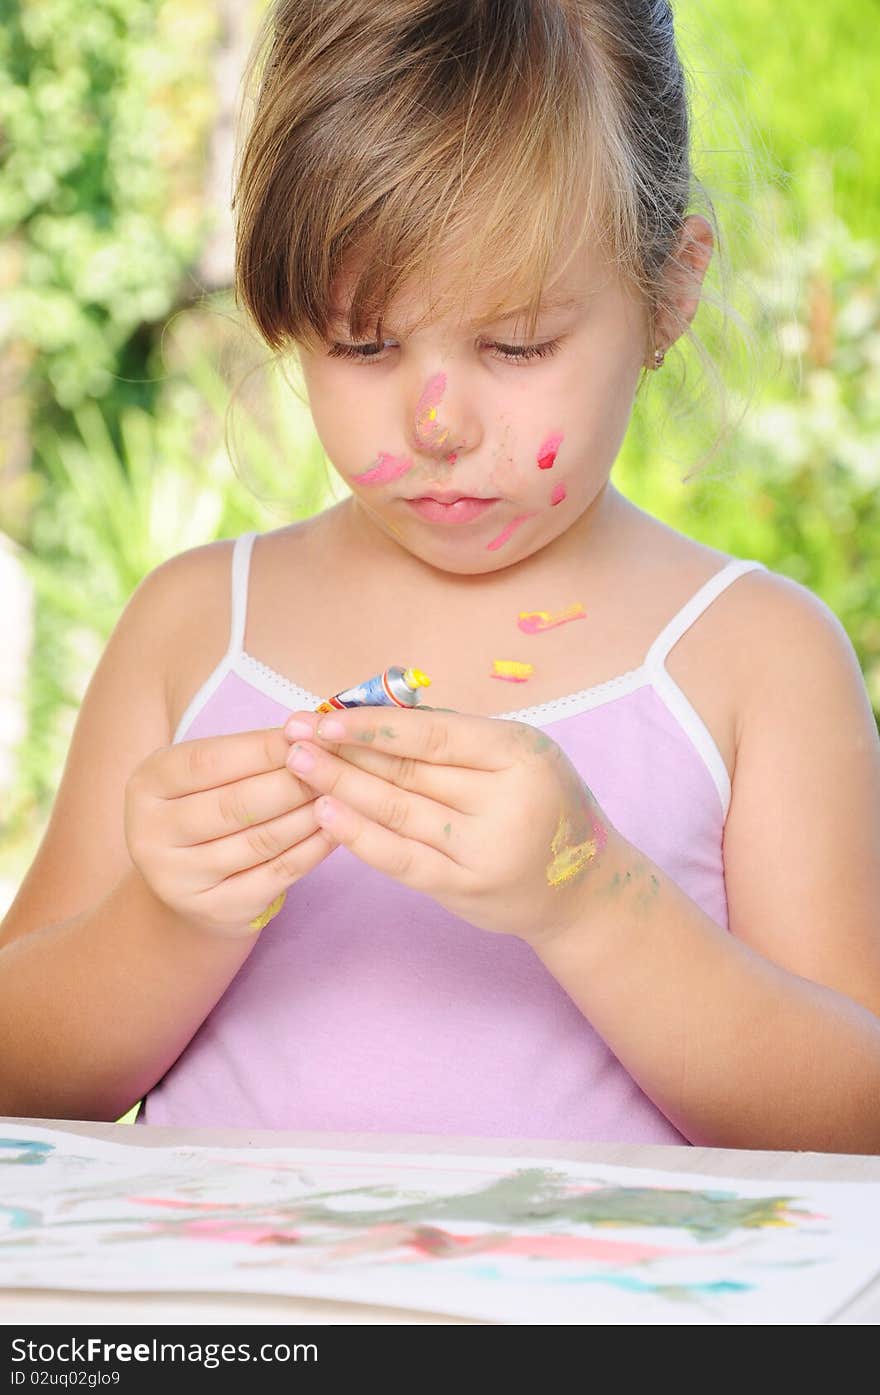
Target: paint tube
point(396, 687)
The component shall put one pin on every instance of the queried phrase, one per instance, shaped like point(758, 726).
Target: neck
point(585, 544)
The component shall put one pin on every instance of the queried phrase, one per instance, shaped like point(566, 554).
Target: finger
point(210, 761)
point(399, 810)
point(454, 739)
point(407, 860)
point(231, 807)
point(207, 864)
point(251, 893)
point(453, 787)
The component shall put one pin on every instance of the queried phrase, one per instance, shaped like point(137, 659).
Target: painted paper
point(521, 1240)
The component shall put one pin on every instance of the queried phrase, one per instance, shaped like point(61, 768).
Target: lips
point(445, 496)
point(450, 508)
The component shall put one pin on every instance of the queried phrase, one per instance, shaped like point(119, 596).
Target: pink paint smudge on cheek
point(547, 452)
point(388, 467)
point(507, 532)
point(559, 493)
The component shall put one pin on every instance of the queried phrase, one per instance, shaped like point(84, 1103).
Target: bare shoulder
point(192, 593)
point(803, 829)
point(790, 646)
point(197, 585)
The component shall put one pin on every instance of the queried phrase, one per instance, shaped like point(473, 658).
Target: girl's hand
point(219, 828)
point(487, 816)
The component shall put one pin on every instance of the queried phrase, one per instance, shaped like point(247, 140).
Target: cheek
point(347, 420)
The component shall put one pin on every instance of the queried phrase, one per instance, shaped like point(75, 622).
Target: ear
point(687, 268)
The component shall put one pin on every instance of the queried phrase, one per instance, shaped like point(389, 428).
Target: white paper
point(528, 1240)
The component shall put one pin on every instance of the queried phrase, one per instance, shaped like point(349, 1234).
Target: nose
point(441, 421)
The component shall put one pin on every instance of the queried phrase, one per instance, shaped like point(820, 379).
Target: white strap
point(693, 608)
point(241, 562)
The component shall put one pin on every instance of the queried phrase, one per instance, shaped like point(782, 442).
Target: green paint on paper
point(541, 1195)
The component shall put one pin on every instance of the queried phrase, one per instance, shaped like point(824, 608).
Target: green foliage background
point(117, 370)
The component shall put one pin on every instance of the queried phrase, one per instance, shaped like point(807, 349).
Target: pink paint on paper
point(230, 1233)
point(388, 467)
point(577, 1248)
point(559, 493)
point(506, 533)
point(547, 452)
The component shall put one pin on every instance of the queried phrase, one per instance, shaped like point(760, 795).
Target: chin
point(464, 563)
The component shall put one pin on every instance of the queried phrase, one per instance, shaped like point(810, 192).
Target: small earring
point(659, 356)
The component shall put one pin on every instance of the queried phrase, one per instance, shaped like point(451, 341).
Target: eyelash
point(513, 353)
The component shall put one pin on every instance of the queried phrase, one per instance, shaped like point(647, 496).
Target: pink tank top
point(365, 1006)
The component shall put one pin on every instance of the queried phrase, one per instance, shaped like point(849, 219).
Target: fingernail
point(296, 727)
point(331, 729)
point(300, 759)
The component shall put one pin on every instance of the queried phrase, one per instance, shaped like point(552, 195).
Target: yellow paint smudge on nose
point(570, 859)
point(426, 412)
point(511, 670)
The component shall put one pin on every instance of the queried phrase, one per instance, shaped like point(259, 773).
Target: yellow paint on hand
point(511, 670)
point(259, 921)
point(570, 859)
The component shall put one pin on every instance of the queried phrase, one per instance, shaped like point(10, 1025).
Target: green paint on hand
point(447, 829)
point(389, 732)
point(366, 736)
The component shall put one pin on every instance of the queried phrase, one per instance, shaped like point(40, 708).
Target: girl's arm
point(101, 985)
point(767, 1036)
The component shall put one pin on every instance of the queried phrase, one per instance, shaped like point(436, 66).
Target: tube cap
point(415, 679)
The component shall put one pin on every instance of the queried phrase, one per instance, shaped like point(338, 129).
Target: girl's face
point(470, 445)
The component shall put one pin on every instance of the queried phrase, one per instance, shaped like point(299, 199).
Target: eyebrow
point(568, 302)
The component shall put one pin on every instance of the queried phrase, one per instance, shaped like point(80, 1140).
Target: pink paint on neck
point(547, 452)
point(507, 532)
point(559, 493)
point(388, 467)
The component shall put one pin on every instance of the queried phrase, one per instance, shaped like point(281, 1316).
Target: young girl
point(632, 898)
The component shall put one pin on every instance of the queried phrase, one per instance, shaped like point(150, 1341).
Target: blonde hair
point(400, 132)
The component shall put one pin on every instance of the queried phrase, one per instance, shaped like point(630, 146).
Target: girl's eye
point(511, 353)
